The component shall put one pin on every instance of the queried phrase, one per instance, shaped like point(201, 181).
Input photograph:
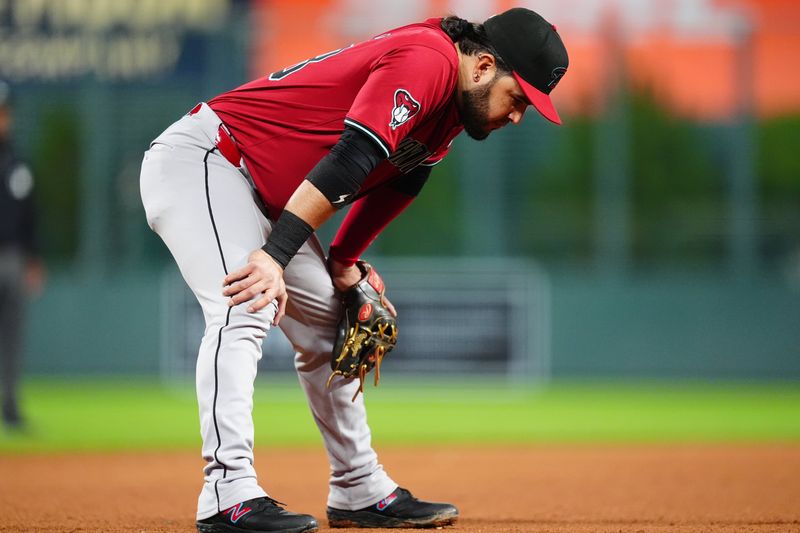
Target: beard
point(474, 111)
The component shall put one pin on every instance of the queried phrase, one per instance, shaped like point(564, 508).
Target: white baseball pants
point(206, 212)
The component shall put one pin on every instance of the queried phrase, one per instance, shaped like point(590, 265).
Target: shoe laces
point(274, 502)
point(401, 490)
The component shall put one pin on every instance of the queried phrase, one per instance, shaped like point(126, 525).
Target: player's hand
point(344, 277)
point(260, 276)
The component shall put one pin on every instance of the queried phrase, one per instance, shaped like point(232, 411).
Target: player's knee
point(236, 323)
point(316, 352)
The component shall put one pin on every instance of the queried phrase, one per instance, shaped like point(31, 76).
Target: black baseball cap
point(533, 49)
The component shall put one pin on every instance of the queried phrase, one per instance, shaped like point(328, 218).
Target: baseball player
point(21, 269)
point(237, 187)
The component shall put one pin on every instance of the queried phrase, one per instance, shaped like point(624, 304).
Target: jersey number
point(275, 76)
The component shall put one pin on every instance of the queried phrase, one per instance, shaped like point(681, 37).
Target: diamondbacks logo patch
point(386, 502)
point(404, 108)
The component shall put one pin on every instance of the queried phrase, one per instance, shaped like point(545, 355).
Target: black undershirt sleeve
point(340, 174)
point(412, 182)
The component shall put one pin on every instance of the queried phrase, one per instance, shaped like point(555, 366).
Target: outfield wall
point(675, 327)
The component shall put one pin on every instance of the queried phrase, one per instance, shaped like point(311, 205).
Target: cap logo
point(404, 108)
point(556, 76)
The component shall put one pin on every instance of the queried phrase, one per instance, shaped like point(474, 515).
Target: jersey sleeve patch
point(405, 107)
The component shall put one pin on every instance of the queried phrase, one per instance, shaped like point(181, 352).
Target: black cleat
point(11, 417)
point(15, 423)
point(259, 515)
point(399, 509)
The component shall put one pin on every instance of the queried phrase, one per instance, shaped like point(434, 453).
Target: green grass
point(106, 415)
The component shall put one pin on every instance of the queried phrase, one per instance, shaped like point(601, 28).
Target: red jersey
point(398, 88)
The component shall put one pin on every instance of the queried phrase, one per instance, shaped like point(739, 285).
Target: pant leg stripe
point(211, 213)
point(219, 334)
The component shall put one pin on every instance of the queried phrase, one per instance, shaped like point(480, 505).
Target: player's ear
point(486, 65)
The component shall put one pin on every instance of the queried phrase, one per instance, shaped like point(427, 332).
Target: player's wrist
point(262, 256)
point(335, 254)
point(344, 276)
point(288, 234)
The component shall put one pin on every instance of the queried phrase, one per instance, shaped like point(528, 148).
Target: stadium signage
point(111, 40)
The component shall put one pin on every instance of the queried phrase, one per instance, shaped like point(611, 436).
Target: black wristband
point(288, 234)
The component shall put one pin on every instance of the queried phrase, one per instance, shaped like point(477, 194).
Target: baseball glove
point(367, 330)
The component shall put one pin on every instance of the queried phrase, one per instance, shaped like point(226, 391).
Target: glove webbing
point(353, 343)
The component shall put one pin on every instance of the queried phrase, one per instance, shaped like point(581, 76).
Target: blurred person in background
point(271, 161)
point(21, 269)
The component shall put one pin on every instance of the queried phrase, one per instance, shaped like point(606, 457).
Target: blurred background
point(655, 236)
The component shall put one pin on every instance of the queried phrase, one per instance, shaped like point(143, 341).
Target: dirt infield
point(747, 488)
